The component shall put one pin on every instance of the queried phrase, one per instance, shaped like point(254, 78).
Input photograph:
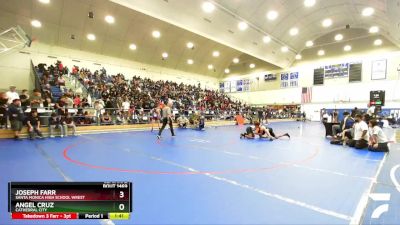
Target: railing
point(35, 78)
point(94, 117)
point(76, 85)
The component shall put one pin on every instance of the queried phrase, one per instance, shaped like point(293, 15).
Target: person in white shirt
point(125, 108)
point(12, 94)
point(361, 136)
point(378, 141)
point(371, 110)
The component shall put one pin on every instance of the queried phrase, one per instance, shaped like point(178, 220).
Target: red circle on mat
point(189, 172)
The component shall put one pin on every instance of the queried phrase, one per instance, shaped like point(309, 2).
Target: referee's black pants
point(164, 124)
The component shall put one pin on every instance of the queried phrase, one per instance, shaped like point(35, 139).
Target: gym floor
point(213, 177)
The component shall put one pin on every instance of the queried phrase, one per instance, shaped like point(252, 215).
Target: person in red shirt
point(77, 101)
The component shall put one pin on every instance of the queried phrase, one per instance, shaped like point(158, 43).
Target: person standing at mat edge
point(166, 118)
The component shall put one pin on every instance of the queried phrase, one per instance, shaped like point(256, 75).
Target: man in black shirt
point(68, 121)
point(25, 102)
point(55, 122)
point(16, 116)
point(33, 123)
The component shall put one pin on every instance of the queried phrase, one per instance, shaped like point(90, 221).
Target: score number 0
point(121, 206)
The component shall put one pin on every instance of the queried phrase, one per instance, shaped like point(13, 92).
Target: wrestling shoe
point(158, 137)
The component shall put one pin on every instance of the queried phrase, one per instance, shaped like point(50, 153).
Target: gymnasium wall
point(14, 67)
point(335, 91)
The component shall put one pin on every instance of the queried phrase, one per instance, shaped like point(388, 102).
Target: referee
point(166, 118)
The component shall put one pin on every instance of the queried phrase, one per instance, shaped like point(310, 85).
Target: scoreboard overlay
point(70, 200)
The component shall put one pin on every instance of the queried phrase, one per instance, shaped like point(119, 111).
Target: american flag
point(306, 95)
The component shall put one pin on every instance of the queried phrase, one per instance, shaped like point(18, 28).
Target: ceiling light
point(266, 39)
point(294, 31)
point(368, 11)
point(190, 45)
point(235, 60)
point(227, 71)
point(338, 37)
point(44, 1)
point(36, 23)
point(309, 3)
point(156, 34)
point(91, 37)
point(164, 55)
point(210, 67)
point(190, 61)
point(109, 19)
point(252, 65)
point(378, 42)
point(243, 25)
point(298, 56)
point(309, 43)
point(284, 49)
point(374, 29)
point(321, 52)
point(347, 48)
point(272, 15)
point(132, 46)
point(215, 53)
point(208, 7)
point(327, 22)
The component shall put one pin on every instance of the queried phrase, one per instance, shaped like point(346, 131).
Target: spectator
point(361, 136)
point(55, 123)
point(378, 141)
point(68, 122)
point(77, 101)
point(33, 123)
point(69, 102)
point(24, 97)
point(16, 117)
point(60, 81)
point(371, 110)
point(12, 94)
point(47, 103)
point(36, 99)
point(106, 119)
point(88, 118)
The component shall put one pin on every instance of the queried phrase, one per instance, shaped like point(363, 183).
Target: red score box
point(44, 216)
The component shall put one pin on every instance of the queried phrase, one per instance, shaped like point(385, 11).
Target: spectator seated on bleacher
point(106, 119)
point(33, 124)
point(68, 122)
point(36, 99)
point(55, 122)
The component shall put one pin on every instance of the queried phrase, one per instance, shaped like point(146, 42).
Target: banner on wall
point(284, 80)
point(233, 86)
point(336, 70)
point(269, 77)
point(246, 85)
point(294, 79)
point(378, 71)
point(221, 87)
point(289, 79)
point(239, 85)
